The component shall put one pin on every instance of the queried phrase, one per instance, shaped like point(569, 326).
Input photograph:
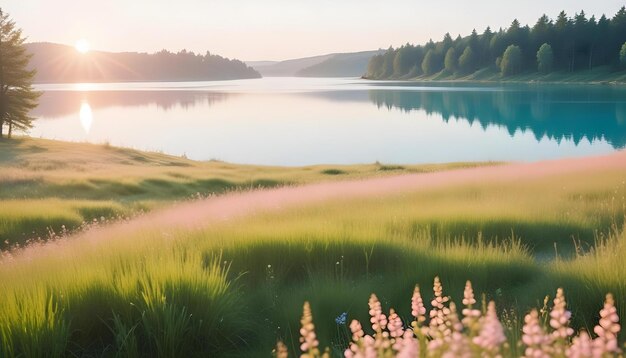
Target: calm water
point(289, 121)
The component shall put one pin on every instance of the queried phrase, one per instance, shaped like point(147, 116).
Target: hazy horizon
point(272, 30)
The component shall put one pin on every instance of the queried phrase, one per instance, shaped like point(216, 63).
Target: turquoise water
point(299, 121)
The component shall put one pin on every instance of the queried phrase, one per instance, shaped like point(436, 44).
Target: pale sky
point(273, 29)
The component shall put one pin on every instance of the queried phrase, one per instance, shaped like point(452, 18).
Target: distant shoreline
point(594, 77)
point(144, 81)
point(530, 82)
point(511, 82)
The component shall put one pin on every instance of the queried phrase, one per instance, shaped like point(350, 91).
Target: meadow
point(234, 288)
point(48, 187)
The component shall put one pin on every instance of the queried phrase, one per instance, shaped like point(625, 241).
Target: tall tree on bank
point(467, 61)
point(511, 61)
point(17, 96)
point(545, 58)
point(429, 65)
point(622, 55)
point(451, 60)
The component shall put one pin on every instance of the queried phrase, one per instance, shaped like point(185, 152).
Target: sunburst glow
point(82, 46)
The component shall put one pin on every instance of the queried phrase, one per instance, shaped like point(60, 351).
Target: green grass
point(47, 184)
point(31, 219)
point(599, 75)
point(235, 288)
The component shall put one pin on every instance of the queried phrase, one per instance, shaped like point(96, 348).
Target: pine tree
point(402, 63)
point(447, 42)
point(17, 96)
point(474, 41)
point(622, 55)
point(485, 41)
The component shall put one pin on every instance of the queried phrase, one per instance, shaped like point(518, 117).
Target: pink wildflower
point(369, 345)
point(470, 315)
point(356, 349)
point(439, 312)
point(378, 318)
point(281, 350)
point(559, 321)
point(560, 316)
point(456, 344)
point(457, 347)
point(308, 338)
point(607, 329)
point(582, 346)
point(491, 335)
point(357, 330)
point(468, 294)
point(439, 300)
point(417, 306)
point(409, 346)
point(536, 340)
point(395, 325)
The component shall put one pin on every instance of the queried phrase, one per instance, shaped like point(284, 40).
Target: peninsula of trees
point(566, 45)
point(55, 63)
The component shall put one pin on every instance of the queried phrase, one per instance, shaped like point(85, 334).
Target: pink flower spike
point(308, 339)
point(607, 329)
point(582, 346)
point(417, 306)
point(491, 335)
point(378, 318)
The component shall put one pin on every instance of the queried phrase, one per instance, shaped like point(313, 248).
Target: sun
point(82, 46)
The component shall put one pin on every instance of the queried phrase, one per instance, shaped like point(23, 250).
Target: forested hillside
point(564, 45)
point(61, 63)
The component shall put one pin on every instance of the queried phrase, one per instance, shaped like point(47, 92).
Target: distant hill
point(255, 64)
point(331, 65)
point(287, 68)
point(57, 63)
point(341, 65)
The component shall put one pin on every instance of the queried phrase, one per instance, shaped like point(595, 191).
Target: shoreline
point(596, 77)
point(504, 82)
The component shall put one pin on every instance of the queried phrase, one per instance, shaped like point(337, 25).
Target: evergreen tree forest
point(60, 63)
point(564, 44)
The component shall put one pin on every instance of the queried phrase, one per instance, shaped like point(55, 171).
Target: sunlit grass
point(85, 181)
point(600, 270)
point(248, 277)
point(32, 219)
point(236, 287)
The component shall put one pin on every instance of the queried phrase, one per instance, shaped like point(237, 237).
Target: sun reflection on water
point(86, 116)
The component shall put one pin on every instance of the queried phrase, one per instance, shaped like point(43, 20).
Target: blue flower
point(341, 319)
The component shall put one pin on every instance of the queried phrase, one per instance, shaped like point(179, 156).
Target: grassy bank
point(45, 184)
point(236, 287)
point(600, 75)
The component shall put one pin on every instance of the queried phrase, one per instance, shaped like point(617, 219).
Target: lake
point(302, 121)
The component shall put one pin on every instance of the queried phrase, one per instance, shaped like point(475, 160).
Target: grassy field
point(45, 185)
point(235, 288)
